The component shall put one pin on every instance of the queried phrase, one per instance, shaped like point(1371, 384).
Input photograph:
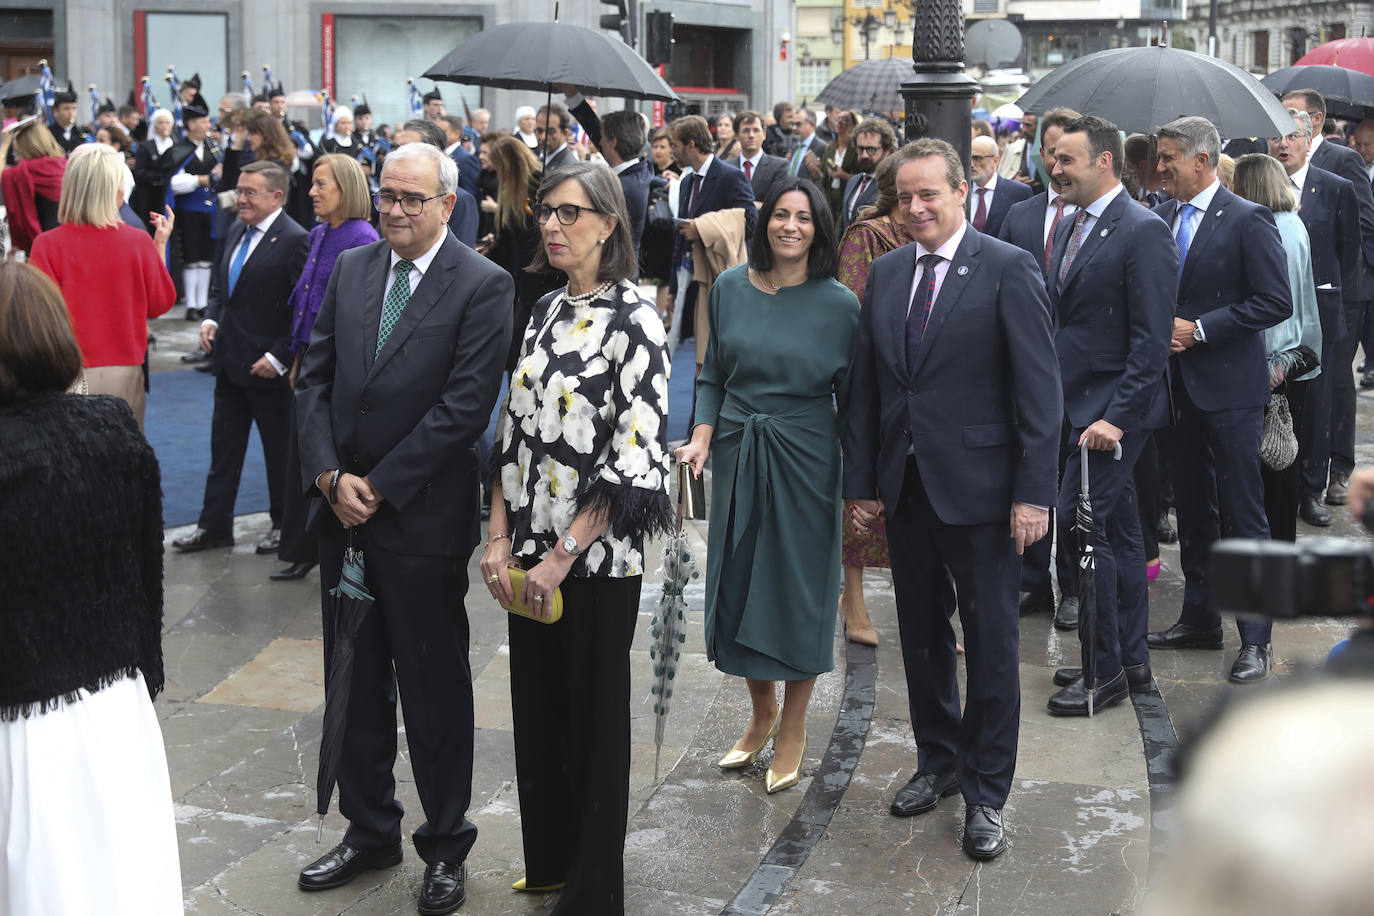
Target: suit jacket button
point(362, 409)
point(912, 391)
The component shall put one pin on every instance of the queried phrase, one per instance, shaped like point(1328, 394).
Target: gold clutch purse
point(516, 606)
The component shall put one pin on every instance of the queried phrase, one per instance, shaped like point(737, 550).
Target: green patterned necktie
point(395, 304)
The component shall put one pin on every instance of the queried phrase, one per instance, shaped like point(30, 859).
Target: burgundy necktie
point(921, 303)
point(748, 170)
point(1075, 240)
point(980, 216)
point(1049, 239)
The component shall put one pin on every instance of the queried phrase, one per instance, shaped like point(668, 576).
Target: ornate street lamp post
point(939, 96)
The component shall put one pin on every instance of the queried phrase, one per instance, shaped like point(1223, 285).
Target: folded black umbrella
point(1138, 89)
point(537, 55)
point(1348, 93)
point(350, 603)
point(1087, 579)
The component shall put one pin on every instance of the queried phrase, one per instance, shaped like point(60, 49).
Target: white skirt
point(86, 822)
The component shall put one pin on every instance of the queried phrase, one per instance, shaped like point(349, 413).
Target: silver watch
point(1197, 333)
point(570, 545)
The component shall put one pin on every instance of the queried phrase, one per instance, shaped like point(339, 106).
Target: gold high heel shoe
point(523, 885)
point(776, 782)
point(736, 759)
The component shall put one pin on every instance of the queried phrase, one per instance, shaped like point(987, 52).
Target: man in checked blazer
point(247, 331)
point(396, 387)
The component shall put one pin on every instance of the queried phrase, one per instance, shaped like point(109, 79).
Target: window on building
point(812, 75)
point(375, 55)
point(1335, 31)
point(1259, 49)
point(814, 21)
point(986, 6)
point(191, 43)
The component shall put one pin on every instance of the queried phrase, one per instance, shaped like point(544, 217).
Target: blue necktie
point(1184, 236)
point(236, 267)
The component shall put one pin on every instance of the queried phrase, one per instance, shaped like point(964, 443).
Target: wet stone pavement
point(241, 719)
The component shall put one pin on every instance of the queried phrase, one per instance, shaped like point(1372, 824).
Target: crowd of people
point(896, 367)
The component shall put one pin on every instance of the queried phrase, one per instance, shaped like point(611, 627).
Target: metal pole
point(1212, 27)
point(939, 95)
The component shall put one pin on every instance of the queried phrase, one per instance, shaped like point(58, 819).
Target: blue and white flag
point(247, 88)
point(47, 93)
point(417, 104)
point(95, 110)
point(326, 112)
point(149, 100)
point(174, 85)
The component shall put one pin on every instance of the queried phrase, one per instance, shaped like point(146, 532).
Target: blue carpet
point(178, 424)
point(178, 427)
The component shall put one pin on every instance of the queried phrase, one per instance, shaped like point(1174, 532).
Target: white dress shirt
point(752, 160)
point(946, 253)
point(1299, 178)
point(1095, 209)
point(417, 272)
point(627, 164)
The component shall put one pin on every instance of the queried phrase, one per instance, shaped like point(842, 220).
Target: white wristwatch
point(570, 545)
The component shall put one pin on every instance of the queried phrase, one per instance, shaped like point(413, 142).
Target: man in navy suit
point(1030, 226)
point(713, 185)
point(1233, 284)
point(874, 140)
point(1113, 284)
point(620, 138)
point(760, 168)
point(1357, 290)
point(953, 426)
point(469, 167)
point(990, 197)
point(1330, 213)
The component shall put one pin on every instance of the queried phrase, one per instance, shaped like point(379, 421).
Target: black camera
point(1318, 577)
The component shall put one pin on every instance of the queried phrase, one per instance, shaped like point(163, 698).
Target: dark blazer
point(1115, 317)
point(869, 195)
point(769, 170)
point(1235, 280)
point(563, 157)
point(1339, 160)
point(1004, 195)
point(1331, 214)
point(818, 146)
point(634, 181)
point(410, 416)
point(256, 318)
point(1024, 226)
point(469, 167)
point(981, 405)
point(463, 220)
point(724, 187)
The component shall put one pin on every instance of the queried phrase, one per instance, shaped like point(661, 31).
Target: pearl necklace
point(588, 296)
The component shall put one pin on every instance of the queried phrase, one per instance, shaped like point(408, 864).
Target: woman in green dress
point(781, 341)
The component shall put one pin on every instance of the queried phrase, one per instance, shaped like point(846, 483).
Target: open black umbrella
point(350, 603)
point(536, 55)
point(1087, 578)
point(873, 85)
point(1348, 93)
point(21, 88)
point(1138, 89)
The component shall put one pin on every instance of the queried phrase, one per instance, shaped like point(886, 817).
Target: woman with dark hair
point(782, 338)
point(264, 138)
point(582, 482)
point(33, 185)
point(86, 820)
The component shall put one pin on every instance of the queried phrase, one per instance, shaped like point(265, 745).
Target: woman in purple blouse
point(340, 194)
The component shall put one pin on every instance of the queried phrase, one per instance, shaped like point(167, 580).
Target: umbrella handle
point(1083, 466)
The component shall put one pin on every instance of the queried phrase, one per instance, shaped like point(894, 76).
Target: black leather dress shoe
point(922, 793)
point(1182, 636)
point(343, 863)
point(1314, 513)
point(294, 571)
point(1337, 489)
point(445, 888)
point(1073, 699)
point(984, 837)
point(1035, 602)
point(195, 356)
point(1165, 533)
point(1138, 677)
point(1253, 664)
point(200, 539)
point(1066, 617)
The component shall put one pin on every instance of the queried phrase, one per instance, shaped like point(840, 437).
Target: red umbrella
point(1351, 53)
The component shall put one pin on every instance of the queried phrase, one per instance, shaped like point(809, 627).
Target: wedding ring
point(493, 577)
point(539, 598)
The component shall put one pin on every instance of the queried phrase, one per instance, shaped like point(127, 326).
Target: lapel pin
point(1218, 213)
point(963, 271)
point(1103, 233)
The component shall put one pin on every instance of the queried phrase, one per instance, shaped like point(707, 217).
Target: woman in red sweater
point(113, 277)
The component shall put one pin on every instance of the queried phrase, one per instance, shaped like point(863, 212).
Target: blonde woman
point(112, 276)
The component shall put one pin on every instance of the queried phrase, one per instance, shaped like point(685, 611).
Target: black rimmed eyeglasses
point(567, 213)
point(410, 206)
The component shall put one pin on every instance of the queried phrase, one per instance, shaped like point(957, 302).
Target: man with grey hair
point(1330, 212)
point(1232, 285)
point(463, 220)
point(403, 369)
point(806, 158)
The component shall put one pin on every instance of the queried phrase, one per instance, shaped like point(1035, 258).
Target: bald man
point(990, 196)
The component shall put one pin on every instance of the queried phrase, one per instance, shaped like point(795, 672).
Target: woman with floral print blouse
point(583, 481)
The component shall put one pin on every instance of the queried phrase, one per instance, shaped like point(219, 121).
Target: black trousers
point(1315, 443)
point(1035, 562)
point(979, 746)
point(1343, 389)
point(1281, 487)
point(415, 637)
point(570, 697)
point(1147, 496)
point(297, 544)
point(237, 408)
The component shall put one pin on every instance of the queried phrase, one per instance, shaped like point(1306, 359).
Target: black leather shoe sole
point(350, 870)
point(898, 809)
point(294, 571)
